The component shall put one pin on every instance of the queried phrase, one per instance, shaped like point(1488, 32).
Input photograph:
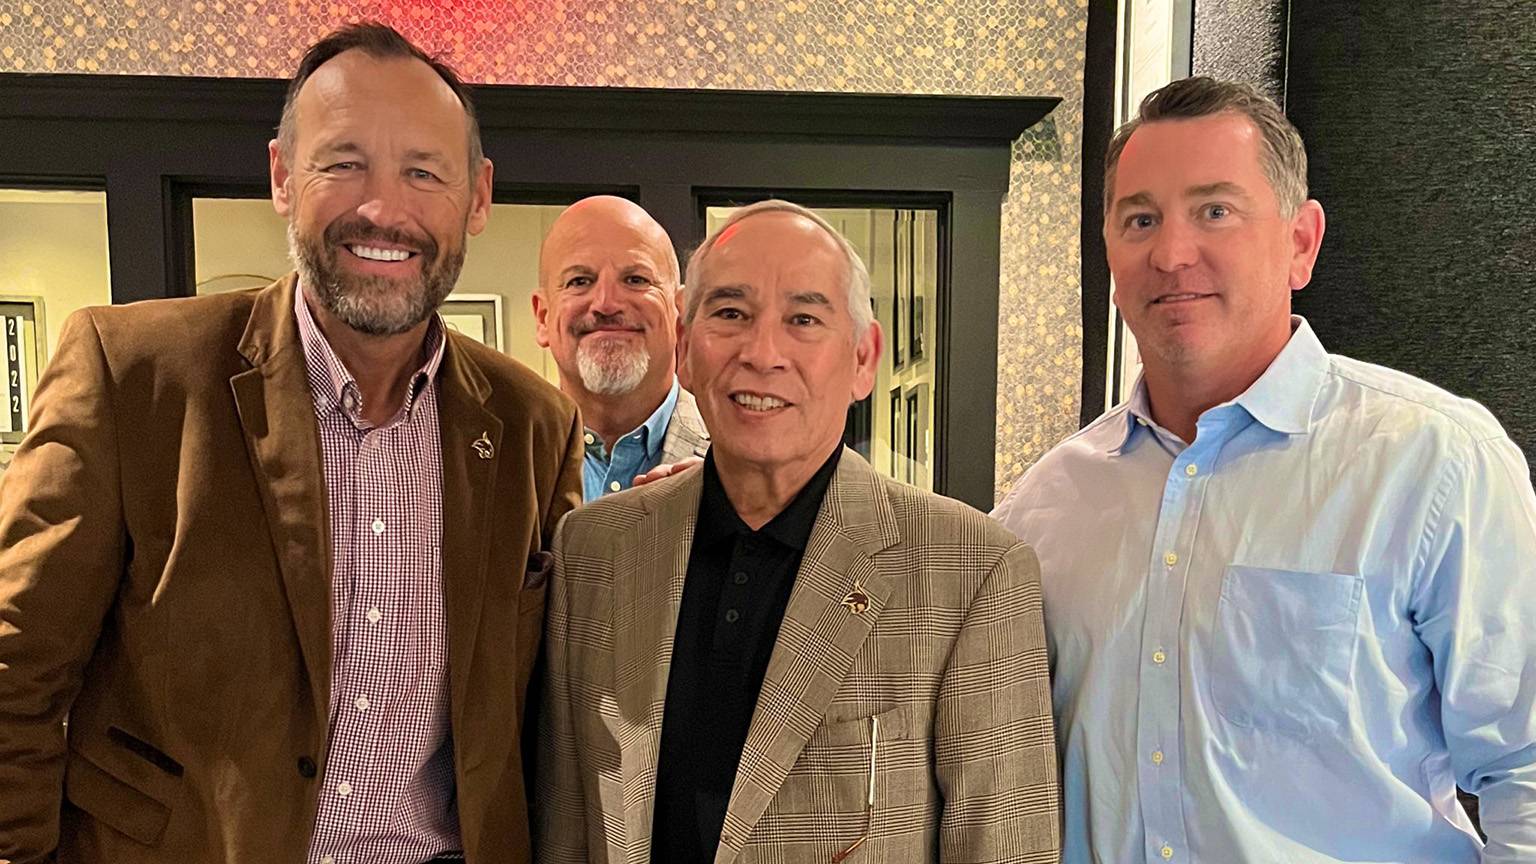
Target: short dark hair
point(1283, 155)
point(381, 42)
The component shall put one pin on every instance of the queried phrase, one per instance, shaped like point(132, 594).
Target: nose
point(605, 296)
point(384, 201)
point(762, 350)
point(1174, 247)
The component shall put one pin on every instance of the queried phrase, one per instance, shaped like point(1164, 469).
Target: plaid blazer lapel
point(817, 642)
point(650, 566)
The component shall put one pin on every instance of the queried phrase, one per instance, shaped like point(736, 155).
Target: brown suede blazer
point(165, 563)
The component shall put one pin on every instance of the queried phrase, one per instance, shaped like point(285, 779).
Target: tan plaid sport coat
point(950, 655)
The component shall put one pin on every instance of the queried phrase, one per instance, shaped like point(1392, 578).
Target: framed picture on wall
point(860, 425)
point(900, 272)
point(917, 277)
point(477, 316)
point(897, 428)
point(23, 335)
point(914, 440)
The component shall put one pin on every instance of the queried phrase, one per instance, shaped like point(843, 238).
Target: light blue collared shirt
point(1291, 639)
point(633, 455)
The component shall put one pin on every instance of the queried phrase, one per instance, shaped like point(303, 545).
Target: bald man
point(607, 309)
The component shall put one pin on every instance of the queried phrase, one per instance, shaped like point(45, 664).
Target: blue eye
point(1140, 221)
point(1218, 211)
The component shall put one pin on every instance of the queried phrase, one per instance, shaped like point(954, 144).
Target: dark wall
point(1420, 119)
point(1241, 40)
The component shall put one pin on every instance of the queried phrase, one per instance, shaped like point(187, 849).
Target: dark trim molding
point(1098, 128)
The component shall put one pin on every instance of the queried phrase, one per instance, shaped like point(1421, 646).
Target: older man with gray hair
point(782, 655)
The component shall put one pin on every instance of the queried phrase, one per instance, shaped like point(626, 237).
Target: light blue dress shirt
point(1291, 639)
point(633, 455)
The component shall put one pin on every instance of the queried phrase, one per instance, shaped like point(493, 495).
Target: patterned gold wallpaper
point(958, 47)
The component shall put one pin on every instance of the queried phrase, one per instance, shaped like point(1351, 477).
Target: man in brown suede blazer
point(168, 560)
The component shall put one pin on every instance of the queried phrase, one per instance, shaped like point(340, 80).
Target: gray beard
point(374, 305)
point(612, 371)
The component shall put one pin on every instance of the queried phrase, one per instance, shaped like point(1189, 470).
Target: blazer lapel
point(686, 436)
point(472, 447)
point(277, 414)
point(646, 599)
point(817, 642)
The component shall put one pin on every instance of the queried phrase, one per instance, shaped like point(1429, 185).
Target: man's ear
point(280, 176)
point(866, 354)
point(540, 318)
point(684, 374)
point(1307, 229)
point(480, 200)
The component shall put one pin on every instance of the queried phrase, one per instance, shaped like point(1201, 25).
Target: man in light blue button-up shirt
point(1289, 595)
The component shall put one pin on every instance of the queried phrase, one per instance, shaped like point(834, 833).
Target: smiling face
point(771, 352)
point(1203, 259)
point(377, 191)
point(607, 300)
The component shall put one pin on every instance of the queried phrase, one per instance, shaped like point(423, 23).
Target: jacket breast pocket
point(1283, 649)
point(835, 765)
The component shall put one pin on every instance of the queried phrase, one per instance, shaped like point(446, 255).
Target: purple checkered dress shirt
point(388, 793)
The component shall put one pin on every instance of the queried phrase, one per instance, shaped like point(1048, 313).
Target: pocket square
point(540, 565)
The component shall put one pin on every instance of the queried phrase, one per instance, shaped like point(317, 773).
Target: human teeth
point(758, 403)
point(373, 254)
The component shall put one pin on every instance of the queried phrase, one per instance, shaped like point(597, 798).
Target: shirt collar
point(792, 527)
point(652, 433)
point(332, 383)
point(1281, 399)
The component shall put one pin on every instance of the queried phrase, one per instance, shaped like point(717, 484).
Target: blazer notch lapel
point(472, 446)
point(819, 639)
point(277, 417)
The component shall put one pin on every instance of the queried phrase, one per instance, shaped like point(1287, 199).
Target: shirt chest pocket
point(1283, 649)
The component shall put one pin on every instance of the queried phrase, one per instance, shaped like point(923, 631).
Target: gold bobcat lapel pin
point(483, 447)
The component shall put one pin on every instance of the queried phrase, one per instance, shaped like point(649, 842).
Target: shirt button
point(590, 438)
point(1171, 559)
point(740, 578)
point(1140, 422)
point(732, 616)
point(327, 860)
point(361, 703)
point(614, 486)
point(378, 526)
point(1157, 757)
point(343, 788)
point(1191, 469)
point(1159, 657)
point(1166, 852)
point(374, 616)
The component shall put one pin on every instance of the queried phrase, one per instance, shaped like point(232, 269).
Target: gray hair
point(1283, 155)
point(857, 278)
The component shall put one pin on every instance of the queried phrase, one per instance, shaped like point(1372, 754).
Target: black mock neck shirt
point(734, 598)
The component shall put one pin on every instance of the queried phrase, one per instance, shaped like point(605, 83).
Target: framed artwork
point(917, 432)
point(860, 426)
point(23, 335)
point(477, 316)
point(917, 277)
point(899, 272)
point(896, 430)
point(913, 441)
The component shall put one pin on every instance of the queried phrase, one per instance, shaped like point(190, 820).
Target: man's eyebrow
point(337, 147)
point(575, 270)
point(1140, 199)
point(1222, 187)
point(724, 292)
point(810, 298)
point(424, 156)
